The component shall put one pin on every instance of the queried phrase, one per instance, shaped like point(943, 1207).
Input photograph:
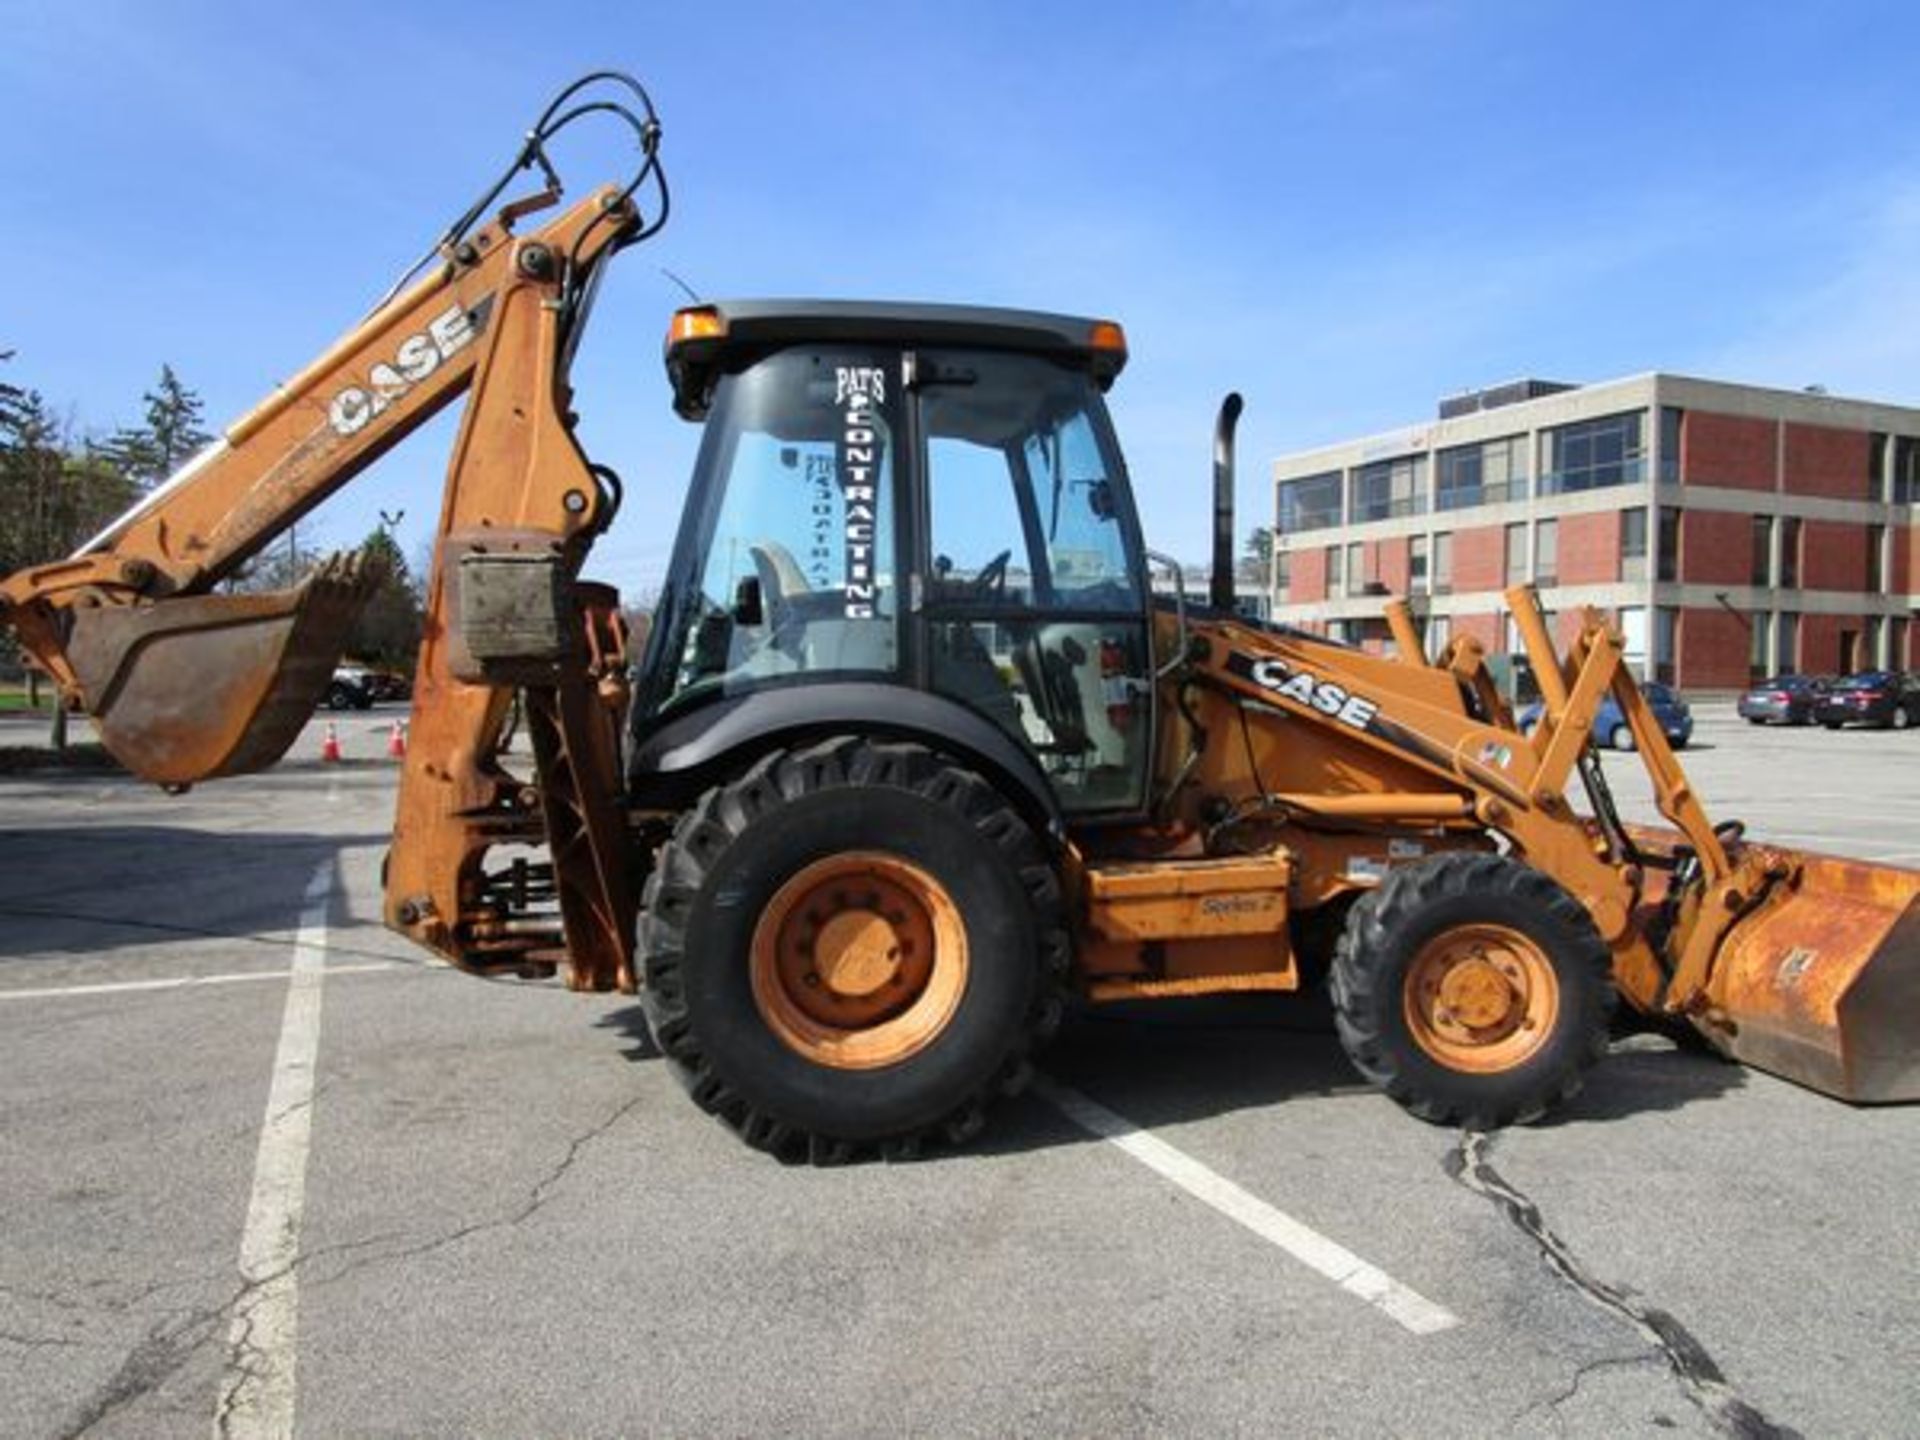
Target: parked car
point(1888, 699)
point(1610, 726)
point(1784, 700)
point(350, 689)
point(389, 685)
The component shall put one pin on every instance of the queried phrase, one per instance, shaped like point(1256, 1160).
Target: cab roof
point(710, 339)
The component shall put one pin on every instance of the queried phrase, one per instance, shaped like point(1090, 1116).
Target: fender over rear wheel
point(1473, 990)
point(852, 947)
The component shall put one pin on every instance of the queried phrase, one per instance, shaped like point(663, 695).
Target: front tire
point(1473, 990)
point(851, 947)
point(1622, 737)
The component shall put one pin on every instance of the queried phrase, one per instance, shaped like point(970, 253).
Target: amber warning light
point(700, 323)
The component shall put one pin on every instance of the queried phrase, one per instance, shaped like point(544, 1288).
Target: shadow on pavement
point(101, 887)
point(1170, 1062)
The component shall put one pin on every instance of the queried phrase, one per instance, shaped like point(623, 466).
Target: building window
point(1595, 454)
point(1633, 544)
point(1390, 488)
point(1670, 444)
point(1666, 636)
point(1669, 543)
point(1877, 466)
point(1417, 565)
point(1758, 656)
point(1484, 474)
point(1789, 640)
point(1876, 559)
point(1760, 570)
point(1633, 635)
point(1790, 553)
point(1356, 569)
point(1439, 632)
point(1906, 470)
point(1310, 504)
point(1516, 554)
point(1443, 564)
point(1546, 553)
point(1335, 582)
point(1282, 571)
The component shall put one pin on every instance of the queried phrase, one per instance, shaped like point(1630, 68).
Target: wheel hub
point(859, 960)
point(1481, 998)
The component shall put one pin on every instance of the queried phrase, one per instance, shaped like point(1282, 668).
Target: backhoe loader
point(915, 752)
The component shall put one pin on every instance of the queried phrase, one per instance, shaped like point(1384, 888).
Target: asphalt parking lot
point(264, 1170)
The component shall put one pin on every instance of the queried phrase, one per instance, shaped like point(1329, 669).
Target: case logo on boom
point(1325, 696)
point(418, 356)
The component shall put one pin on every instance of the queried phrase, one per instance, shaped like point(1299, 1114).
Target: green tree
point(1256, 560)
point(171, 435)
point(388, 630)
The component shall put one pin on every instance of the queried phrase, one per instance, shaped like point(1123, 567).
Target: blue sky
point(1343, 210)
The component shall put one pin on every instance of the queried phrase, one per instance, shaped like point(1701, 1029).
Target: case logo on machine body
point(417, 357)
point(1280, 678)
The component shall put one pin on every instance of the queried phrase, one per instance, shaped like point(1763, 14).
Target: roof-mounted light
point(699, 322)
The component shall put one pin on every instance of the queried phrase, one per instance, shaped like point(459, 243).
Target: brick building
point(1732, 531)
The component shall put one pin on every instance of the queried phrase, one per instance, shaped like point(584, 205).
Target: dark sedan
point(1610, 727)
point(1889, 699)
point(1783, 700)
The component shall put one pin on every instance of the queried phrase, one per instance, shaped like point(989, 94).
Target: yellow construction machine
point(915, 752)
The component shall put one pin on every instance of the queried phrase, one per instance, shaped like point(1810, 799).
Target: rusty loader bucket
point(1820, 983)
point(188, 689)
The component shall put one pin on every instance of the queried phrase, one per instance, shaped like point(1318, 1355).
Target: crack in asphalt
point(537, 1198)
point(1700, 1378)
point(1552, 1403)
point(169, 1345)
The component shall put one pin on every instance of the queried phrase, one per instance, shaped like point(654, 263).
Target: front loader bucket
point(187, 689)
point(1821, 983)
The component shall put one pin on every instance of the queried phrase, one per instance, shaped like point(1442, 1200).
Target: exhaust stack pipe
point(1220, 597)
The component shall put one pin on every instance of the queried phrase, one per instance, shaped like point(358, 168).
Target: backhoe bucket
point(1821, 983)
point(188, 689)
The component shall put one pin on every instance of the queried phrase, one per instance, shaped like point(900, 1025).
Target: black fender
point(671, 763)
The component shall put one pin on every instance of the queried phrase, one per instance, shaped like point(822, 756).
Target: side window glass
point(1023, 501)
point(979, 545)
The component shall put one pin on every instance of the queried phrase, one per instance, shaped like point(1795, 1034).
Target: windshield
point(1872, 680)
point(785, 561)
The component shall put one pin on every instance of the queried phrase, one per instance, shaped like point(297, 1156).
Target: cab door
point(1033, 597)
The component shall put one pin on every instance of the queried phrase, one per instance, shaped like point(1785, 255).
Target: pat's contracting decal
point(857, 390)
point(414, 359)
point(1277, 677)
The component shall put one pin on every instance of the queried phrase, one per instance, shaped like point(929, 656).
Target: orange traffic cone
point(397, 742)
point(330, 747)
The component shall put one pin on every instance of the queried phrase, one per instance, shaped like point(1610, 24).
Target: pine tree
point(388, 630)
point(172, 434)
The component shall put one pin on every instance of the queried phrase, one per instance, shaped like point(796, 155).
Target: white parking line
point(1408, 1308)
point(257, 1386)
point(183, 982)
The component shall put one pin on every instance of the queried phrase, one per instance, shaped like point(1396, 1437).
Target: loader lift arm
point(187, 684)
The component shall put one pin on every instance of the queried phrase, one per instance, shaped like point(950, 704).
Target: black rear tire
point(734, 850)
point(1393, 925)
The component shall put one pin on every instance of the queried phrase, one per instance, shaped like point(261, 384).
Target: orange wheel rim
point(1481, 998)
point(859, 961)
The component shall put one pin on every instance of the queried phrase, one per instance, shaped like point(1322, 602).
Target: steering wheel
point(991, 582)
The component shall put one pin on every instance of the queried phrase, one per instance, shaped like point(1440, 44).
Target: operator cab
point(925, 497)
